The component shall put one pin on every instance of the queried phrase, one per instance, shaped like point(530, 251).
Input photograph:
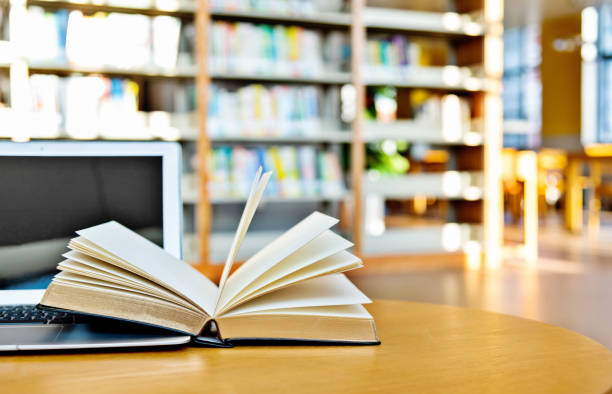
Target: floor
point(570, 285)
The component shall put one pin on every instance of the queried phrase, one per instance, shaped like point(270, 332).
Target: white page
point(160, 265)
point(356, 311)
point(129, 293)
point(87, 270)
point(316, 250)
point(335, 263)
point(122, 278)
point(296, 237)
point(257, 190)
point(87, 263)
point(72, 278)
point(99, 265)
point(326, 290)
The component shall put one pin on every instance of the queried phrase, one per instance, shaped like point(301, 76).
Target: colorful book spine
point(258, 110)
point(113, 39)
point(308, 170)
point(274, 49)
point(395, 53)
point(298, 172)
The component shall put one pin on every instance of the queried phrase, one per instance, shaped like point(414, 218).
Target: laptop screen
point(44, 200)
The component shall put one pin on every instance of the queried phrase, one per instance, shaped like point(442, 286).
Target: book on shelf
point(120, 40)
point(286, 160)
point(5, 88)
point(274, 49)
point(4, 25)
point(278, 110)
point(293, 289)
point(94, 106)
point(396, 54)
point(303, 171)
point(446, 115)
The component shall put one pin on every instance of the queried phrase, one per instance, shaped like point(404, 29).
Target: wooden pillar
point(358, 39)
point(493, 191)
point(203, 215)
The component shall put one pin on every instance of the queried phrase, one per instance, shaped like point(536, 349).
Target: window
point(522, 92)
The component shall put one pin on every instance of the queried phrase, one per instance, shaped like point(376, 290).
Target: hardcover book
point(293, 289)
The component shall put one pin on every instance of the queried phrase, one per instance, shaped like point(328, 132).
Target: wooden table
point(425, 349)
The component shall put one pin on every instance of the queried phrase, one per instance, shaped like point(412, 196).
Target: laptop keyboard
point(30, 314)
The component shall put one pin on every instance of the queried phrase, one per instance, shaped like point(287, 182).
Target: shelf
point(323, 137)
point(182, 8)
point(151, 72)
point(445, 77)
point(190, 195)
point(157, 125)
point(441, 23)
point(39, 125)
point(414, 131)
point(316, 18)
point(6, 53)
point(449, 237)
point(326, 78)
point(275, 199)
point(451, 185)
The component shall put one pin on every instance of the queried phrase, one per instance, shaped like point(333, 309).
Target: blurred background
point(465, 145)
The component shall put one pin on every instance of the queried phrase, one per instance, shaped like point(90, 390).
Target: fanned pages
point(143, 257)
point(272, 254)
point(257, 189)
point(292, 289)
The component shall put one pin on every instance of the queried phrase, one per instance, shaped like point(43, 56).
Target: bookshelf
point(470, 29)
point(462, 189)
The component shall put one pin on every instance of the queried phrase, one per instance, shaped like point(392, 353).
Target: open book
point(292, 289)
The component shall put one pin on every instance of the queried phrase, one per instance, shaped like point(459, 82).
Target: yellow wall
point(560, 72)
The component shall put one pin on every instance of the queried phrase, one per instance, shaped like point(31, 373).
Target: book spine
point(258, 110)
point(298, 172)
point(275, 49)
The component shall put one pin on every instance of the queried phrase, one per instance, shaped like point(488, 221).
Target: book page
point(323, 291)
point(257, 190)
point(82, 264)
point(83, 280)
point(318, 249)
point(159, 265)
point(279, 249)
point(356, 311)
point(336, 263)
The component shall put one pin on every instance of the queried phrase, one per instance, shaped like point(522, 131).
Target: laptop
point(48, 190)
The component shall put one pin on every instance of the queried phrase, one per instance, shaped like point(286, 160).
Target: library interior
point(463, 146)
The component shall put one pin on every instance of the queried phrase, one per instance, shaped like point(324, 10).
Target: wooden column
point(358, 39)
point(493, 223)
point(203, 215)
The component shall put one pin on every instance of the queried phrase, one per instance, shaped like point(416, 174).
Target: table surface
point(425, 349)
